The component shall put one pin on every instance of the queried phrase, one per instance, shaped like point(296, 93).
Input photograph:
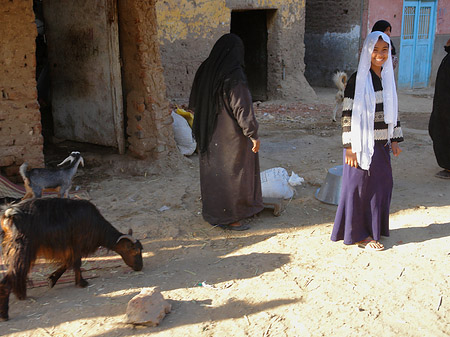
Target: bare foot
point(370, 244)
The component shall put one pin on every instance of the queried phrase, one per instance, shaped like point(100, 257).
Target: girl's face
point(380, 53)
point(388, 31)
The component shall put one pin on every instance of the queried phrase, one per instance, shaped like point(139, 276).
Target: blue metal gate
point(416, 44)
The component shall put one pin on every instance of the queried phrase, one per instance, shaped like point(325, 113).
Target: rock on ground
point(148, 307)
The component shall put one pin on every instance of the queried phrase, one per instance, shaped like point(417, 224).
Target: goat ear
point(82, 161)
point(130, 232)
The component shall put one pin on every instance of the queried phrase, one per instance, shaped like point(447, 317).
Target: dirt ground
point(283, 277)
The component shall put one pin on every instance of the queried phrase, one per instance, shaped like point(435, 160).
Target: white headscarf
point(363, 113)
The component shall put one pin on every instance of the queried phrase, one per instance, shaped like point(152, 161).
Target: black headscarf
point(381, 26)
point(225, 60)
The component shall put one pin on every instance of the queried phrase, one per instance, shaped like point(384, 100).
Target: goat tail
point(19, 260)
point(23, 171)
point(340, 80)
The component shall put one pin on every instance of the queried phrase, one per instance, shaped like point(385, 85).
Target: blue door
point(416, 44)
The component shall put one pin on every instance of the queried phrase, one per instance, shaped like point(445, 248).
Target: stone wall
point(149, 123)
point(189, 29)
point(332, 39)
point(20, 119)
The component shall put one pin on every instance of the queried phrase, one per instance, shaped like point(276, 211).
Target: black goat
point(60, 230)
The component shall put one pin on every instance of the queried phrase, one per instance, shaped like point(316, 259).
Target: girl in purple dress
point(370, 132)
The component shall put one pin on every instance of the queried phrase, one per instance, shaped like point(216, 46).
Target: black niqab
point(225, 60)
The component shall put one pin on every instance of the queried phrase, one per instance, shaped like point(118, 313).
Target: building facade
point(272, 32)
point(335, 31)
point(95, 69)
point(103, 72)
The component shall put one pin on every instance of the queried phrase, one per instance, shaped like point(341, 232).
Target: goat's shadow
point(218, 270)
point(403, 236)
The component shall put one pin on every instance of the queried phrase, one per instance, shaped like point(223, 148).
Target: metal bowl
point(330, 190)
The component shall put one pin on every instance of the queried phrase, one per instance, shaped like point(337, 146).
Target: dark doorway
point(251, 27)
point(42, 74)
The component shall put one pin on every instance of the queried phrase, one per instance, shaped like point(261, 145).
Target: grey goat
point(59, 179)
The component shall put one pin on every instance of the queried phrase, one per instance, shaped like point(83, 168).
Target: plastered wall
point(188, 30)
point(332, 38)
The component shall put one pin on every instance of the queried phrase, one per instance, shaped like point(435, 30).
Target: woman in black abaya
point(226, 132)
point(439, 126)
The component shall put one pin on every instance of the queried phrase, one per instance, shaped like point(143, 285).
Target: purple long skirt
point(365, 200)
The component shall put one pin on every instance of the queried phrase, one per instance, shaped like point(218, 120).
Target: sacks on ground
point(276, 183)
point(189, 116)
point(183, 135)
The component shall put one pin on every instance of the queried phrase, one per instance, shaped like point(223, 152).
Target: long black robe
point(439, 126)
point(229, 170)
point(224, 126)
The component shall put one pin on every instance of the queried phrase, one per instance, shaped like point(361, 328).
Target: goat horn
point(69, 158)
point(126, 236)
point(82, 161)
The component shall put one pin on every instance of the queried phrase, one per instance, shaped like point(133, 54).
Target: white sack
point(183, 135)
point(276, 183)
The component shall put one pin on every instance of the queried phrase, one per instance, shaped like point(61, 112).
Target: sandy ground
point(284, 277)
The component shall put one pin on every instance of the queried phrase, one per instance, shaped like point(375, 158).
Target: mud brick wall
point(332, 39)
point(188, 30)
point(20, 118)
point(149, 123)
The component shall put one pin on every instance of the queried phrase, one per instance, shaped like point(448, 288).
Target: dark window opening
point(251, 27)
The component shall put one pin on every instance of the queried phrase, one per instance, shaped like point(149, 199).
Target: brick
point(7, 160)
point(11, 170)
point(141, 108)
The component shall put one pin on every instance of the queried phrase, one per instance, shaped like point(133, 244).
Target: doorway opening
point(251, 27)
point(78, 75)
point(42, 75)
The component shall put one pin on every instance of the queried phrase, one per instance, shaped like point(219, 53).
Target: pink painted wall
point(389, 10)
point(443, 17)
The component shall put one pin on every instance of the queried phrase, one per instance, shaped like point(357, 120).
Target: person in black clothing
point(439, 125)
point(226, 131)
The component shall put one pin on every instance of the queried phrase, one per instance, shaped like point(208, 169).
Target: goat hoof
point(51, 282)
point(82, 284)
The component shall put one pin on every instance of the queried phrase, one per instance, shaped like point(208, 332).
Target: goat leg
point(79, 280)
point(5, 290)
point(54, 277)
point(37, 191)
point(64, 191)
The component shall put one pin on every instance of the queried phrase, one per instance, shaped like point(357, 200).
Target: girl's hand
point(350, 158)
point(256, 145)
point(396, 150)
